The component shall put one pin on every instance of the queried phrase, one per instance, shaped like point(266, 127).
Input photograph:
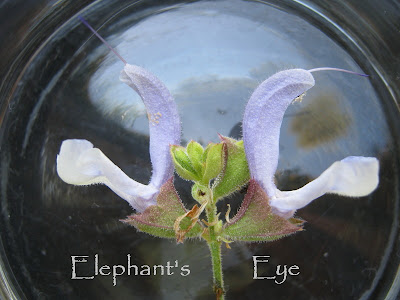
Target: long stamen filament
point(101, 38)
point(337, 69)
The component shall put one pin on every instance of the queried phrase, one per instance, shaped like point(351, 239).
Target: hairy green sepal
point(255, 222)
point(159, 220)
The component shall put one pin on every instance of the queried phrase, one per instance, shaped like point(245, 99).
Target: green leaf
point(159, 220)
point(195, 152)
point(236, 173)
point(182, 163)
point(255, 222)
point(214, 161)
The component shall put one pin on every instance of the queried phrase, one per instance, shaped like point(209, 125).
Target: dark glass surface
point(59, 82)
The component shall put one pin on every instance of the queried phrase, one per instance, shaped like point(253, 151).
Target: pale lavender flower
point(353, 176)
point(79, 163)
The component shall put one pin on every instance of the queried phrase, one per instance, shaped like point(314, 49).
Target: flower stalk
point(216, 258)
point(214, 244)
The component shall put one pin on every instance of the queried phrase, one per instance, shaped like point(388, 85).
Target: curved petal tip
point(71, 167)
point(79, 163)
point(353, 176)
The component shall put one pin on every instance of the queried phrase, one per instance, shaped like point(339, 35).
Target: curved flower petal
point(353, 176)
point(262, 122)
point(163, 117)
point(79, 163)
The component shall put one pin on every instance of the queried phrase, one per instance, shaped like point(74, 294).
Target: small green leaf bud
point(195, 152)
point(214, 161)
point(182, 163)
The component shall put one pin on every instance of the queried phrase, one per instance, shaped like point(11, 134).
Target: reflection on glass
point(209, 52)
point(320, 121)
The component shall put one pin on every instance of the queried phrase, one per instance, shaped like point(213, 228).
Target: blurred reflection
point(210, 105)
point(320, 121)
point(266, 69)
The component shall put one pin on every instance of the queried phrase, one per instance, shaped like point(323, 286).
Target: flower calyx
point(161, 220)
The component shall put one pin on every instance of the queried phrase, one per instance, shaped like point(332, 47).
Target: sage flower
point(353, 176)
point(79, 163)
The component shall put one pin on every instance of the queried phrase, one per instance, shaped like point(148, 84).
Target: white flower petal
point(79, 163)
point(353, 176)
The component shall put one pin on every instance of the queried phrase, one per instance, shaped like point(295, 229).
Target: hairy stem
point(215, 248)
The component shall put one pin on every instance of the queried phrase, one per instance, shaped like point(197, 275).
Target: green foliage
point(225, 162)
point(183, 164)
point(197, 164)
point(236, 172)
point(213, 161)
point(195, 153)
